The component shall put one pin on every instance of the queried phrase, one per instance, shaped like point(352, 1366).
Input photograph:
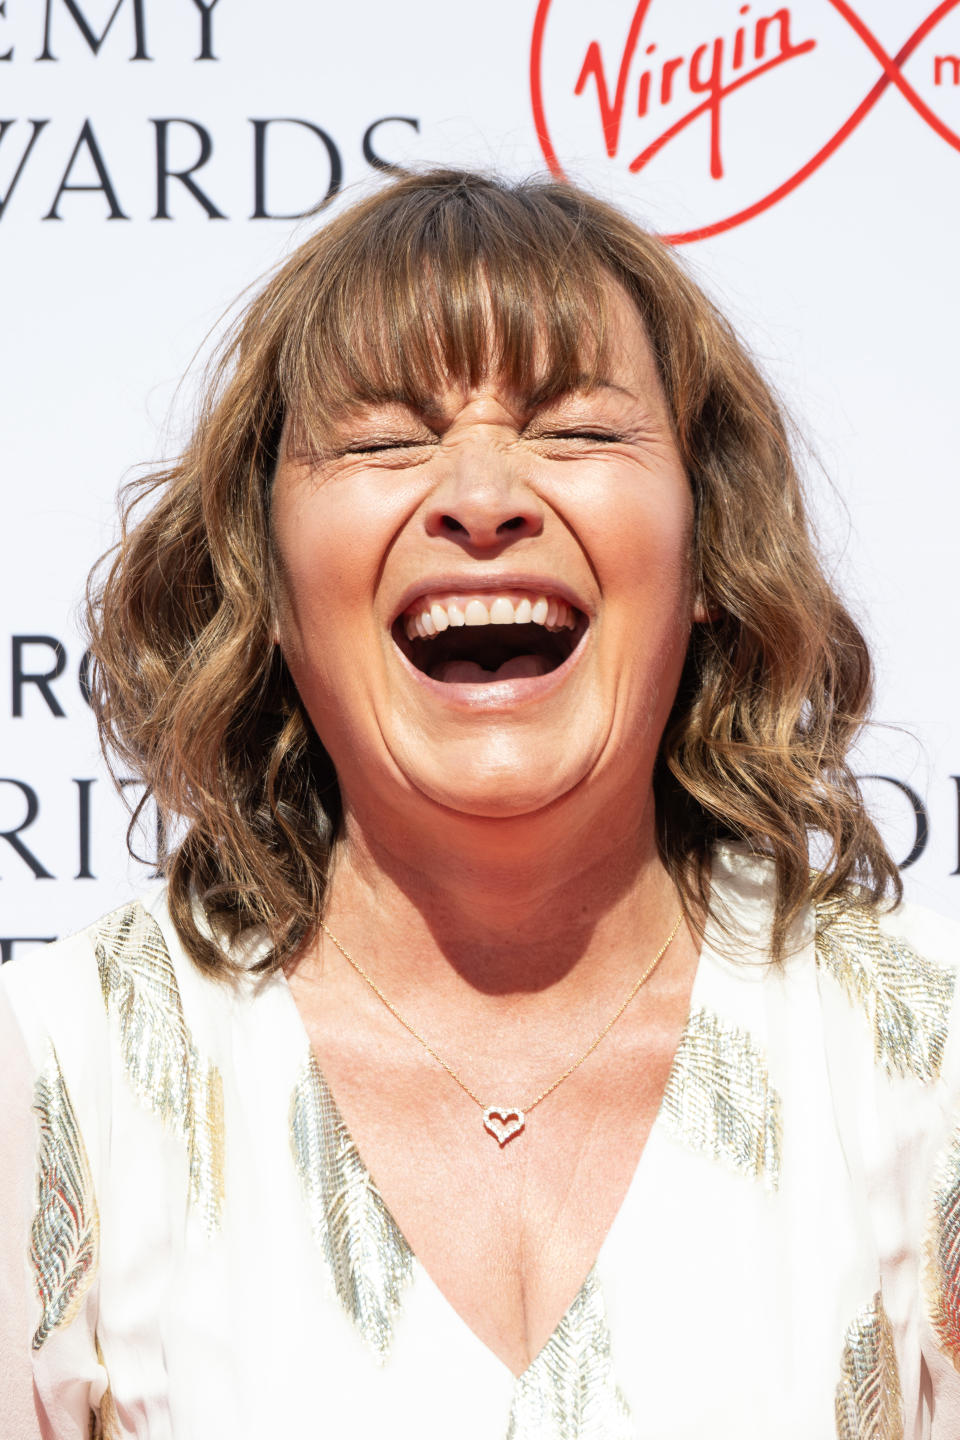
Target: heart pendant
point(503, 1122)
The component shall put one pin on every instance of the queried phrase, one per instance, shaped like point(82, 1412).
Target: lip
point(469, 584)
point(502, 694)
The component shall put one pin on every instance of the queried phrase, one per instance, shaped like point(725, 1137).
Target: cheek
point(322, 560)
point(329, 561)
point(643, 542)
point(334, 534)
point(312, 609)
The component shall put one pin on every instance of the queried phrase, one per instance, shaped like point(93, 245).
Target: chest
point(719, 1293)
point(507, 1233)
point(715, 1305)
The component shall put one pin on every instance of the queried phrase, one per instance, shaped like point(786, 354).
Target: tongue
point(468, 672)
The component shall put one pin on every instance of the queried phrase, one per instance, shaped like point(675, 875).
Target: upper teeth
point(433, 616)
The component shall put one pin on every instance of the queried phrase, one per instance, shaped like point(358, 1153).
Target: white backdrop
point(808, 157)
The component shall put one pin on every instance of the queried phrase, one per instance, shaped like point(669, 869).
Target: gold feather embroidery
point(868, 1402)
point(569, 1392)
point(370, 1262)
point(719, 1099)
point(65, 1234)
point(941, 1260)
point(162, 1063)
point(905, 997)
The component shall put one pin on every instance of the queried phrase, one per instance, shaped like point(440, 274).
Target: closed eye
point(606, 436)
point(376, 447)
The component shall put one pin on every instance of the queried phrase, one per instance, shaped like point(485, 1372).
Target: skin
point(497, 874)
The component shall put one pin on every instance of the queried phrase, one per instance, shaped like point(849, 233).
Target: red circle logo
point(719, 127)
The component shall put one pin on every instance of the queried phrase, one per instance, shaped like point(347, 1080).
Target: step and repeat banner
point(157, 156)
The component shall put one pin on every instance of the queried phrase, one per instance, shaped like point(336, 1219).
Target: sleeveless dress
point(192, 1248)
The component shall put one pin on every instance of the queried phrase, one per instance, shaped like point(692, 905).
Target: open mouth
point(483, 639)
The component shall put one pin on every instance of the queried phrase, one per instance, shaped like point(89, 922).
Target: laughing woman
point(493, 1061)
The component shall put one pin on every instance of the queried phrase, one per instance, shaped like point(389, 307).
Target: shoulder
point(885, 981)
point(64, 993)
point(744, 891)
point(898, 968)
point(872, 953)
point(120, 1028)
point(907, 929)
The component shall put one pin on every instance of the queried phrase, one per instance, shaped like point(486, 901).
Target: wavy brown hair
point(454, 275)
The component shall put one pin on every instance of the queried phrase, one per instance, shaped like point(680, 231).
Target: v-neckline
point(620, 1214)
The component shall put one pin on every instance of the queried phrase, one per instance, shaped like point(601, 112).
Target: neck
point(504, 905)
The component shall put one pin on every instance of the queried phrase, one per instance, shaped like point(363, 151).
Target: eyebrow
point(532, 400)
point(582, 382)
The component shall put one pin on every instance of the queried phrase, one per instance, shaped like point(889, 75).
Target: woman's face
point(488, 605)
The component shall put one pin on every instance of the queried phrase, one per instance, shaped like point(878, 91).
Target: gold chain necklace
point(503, 1122)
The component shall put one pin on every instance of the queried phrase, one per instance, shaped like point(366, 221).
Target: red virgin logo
point(718, 128)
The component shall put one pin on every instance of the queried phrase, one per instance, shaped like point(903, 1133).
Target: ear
point(703, 613)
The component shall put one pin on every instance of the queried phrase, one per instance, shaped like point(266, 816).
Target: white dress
point(192, 1248)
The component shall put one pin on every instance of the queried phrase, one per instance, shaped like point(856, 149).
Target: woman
point(493, 1062)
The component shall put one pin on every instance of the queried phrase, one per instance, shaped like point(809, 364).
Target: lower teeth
point(468, 672)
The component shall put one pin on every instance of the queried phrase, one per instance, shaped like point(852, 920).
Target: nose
point(483, 505)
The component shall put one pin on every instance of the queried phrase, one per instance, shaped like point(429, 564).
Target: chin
point(503, 793)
